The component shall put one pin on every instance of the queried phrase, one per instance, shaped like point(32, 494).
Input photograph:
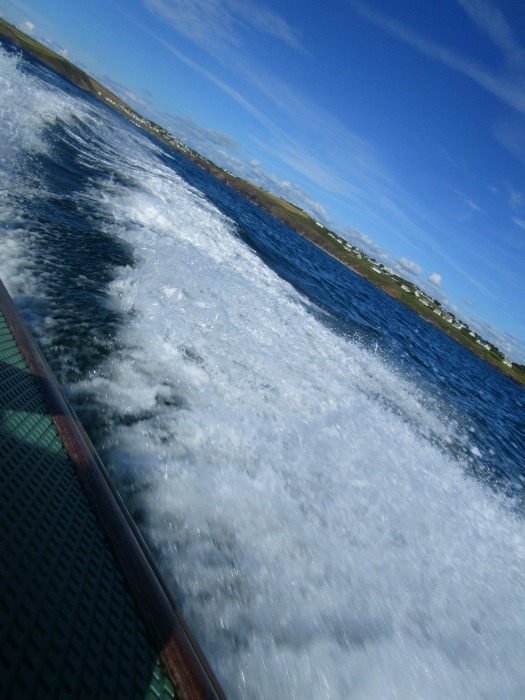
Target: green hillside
point(294, 217)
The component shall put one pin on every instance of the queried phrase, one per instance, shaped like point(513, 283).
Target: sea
point(332, 489)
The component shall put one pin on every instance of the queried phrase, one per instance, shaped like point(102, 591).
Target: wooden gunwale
point(168, 631)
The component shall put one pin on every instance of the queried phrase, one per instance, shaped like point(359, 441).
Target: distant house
point(438, 311)
point(376, 269)
point(403, 286)
point(507, 362)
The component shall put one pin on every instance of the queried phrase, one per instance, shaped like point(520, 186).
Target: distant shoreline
point(295, 218)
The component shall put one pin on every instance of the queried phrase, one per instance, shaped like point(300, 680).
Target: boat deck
point(83, 612)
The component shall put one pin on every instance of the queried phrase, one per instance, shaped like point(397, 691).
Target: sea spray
point(310, 502)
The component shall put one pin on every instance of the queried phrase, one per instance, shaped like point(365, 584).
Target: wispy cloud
point(197, 136)
point(510, 134)
point(57, 48)
point(473, 280)
point(454, 161)
point(297, 130)
point(507, 85)
point(283, 188)
point(216, 25)
point(224, 150)
point(340, 162)
point(509, 343)
point(121, 90)
point(472, 205)
point(469, 204)
point(410, 266)
point(213, 78)
point(27, 27)
point(516, 199)
point(435, 279)
point(346, 158)
point(493, 23)
point(310, 140)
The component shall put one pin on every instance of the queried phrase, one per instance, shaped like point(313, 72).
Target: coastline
point(295, 218)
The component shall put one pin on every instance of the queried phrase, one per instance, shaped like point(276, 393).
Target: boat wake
point(300, 493)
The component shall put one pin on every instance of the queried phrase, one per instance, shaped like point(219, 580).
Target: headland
point(289, 214)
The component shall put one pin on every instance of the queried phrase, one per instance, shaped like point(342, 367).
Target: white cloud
point(516, 198)
point(27, 27)
point(225, 87)
point(519, 222)
point(435, 279)
point(510, 134)
point(469, 203)
point(456, 162)
point(492, 22)
point(221, 149)
point(57, 48)
point(313, 143)
point(343, 151)
point(340, 162)
point(410, 266)
point(198, 137)
point(472, 205)
point(289, 191)
point(508, 343)
point(507, 86)
point(366, 244)
point(216, 25)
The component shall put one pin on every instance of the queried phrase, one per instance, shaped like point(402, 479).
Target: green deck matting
point(69, 627)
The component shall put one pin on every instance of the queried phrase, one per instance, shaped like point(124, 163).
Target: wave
point(300, 493)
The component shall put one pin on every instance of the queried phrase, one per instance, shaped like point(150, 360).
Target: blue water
point(332, 488)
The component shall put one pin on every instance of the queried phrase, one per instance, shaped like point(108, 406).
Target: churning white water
point(297, 490)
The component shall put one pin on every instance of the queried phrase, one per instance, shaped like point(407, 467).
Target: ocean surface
point(332, 488)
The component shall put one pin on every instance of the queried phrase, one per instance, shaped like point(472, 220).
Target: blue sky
point(399, 124)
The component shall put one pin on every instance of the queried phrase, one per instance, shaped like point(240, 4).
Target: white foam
point(27, 107)
point(298, 490)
